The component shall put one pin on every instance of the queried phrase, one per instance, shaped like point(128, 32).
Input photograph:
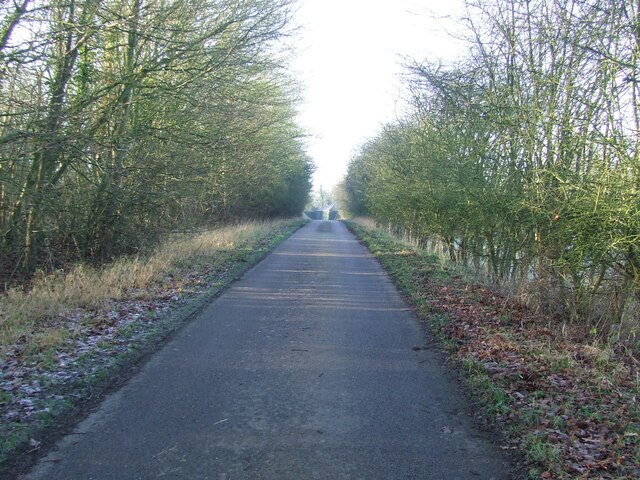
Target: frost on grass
point(59, 349)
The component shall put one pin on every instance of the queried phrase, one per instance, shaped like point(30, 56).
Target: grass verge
point(25, 313)
point(568, 408)
point(74, 336)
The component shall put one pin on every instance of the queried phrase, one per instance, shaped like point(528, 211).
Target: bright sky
point(349, 62)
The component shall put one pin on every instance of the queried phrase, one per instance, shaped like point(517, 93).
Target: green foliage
point(122, 120)
point(522, 161)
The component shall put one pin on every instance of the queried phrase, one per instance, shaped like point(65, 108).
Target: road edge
point(84, 396)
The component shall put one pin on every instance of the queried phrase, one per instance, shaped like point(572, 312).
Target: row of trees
point(122, 119)
point(524, 157)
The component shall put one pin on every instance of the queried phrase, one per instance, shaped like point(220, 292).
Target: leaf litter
point(558, 388)
point(30, 381)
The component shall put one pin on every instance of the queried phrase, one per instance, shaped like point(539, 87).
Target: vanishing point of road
point(310, 367)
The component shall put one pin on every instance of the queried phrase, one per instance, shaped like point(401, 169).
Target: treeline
point(124, 119)
point(523, 158)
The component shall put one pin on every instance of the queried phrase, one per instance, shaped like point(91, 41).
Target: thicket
point(124, 119)
point(523, 158)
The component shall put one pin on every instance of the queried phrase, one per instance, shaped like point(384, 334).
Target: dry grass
point(365, 222)
point(24, 313)
point(47, 340)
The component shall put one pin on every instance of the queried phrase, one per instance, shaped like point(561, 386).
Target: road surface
point(309, 367)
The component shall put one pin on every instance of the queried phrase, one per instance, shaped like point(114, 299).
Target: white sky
point(349, 61)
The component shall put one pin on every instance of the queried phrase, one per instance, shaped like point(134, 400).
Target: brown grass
point(22, 313)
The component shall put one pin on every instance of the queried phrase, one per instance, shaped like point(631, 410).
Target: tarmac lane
point(311, 366)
